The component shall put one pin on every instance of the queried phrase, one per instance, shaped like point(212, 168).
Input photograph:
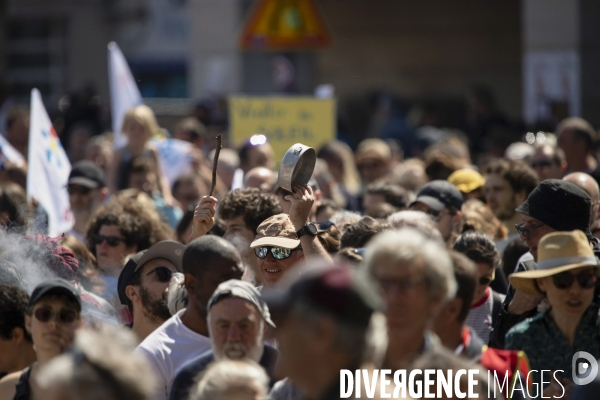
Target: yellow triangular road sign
point(285, 25)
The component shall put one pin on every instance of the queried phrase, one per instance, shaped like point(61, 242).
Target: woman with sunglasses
point(53, 316)
point(566, 275)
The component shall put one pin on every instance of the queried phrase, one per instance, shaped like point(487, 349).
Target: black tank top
point(23, 390)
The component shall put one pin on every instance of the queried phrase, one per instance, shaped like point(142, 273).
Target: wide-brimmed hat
point(557, 252)
point(278, 231)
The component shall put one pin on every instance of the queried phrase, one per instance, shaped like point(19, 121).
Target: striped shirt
point(479, 318)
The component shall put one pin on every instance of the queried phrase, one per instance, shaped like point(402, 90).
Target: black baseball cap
point(88, 174)
point(167, 249)
point(440, 194)
point(561, 205)
point(54, 286)
point(337, 290)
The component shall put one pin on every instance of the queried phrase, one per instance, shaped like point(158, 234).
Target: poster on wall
point(551, 85)
point(283, 120)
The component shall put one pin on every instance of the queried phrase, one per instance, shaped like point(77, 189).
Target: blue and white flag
point(49, 169)
point(175, 158)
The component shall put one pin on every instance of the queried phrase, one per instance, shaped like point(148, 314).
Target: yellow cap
point(466, 180)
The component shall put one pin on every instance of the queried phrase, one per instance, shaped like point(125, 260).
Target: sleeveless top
point(23, 390)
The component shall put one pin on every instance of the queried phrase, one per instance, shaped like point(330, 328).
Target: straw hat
point(557, 252)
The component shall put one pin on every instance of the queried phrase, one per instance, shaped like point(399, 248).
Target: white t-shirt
point(168, 348)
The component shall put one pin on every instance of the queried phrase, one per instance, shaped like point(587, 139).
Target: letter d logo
point(582, 368)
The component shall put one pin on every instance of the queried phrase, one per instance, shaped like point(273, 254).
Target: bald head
point(589, 184)
point(210, 252)
point(260, 177)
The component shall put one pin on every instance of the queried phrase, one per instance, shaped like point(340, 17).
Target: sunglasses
point(113, 241)
point(525, 231)
point(64, 316)
point(564, 280)
point(278, 253)
point(163, 273)
point(78, 189)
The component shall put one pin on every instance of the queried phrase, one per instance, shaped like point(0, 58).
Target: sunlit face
point(136, 132)
point(239, 235)
point(410, 307)
point(111, 257)
point(570, 301)
point(53, 336)
point(153, 292)
point(236, 330)
point(486, 274)
point(272, 270)
point(500, 197)
point(536, 230)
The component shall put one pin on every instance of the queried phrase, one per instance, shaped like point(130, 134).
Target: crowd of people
point(160, 291)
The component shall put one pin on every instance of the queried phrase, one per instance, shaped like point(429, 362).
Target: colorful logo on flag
point(53, 145)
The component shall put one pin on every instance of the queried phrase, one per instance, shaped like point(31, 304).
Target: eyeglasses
point(278, 253)
point(525, 231)
point(64, 316)
point(541, 164)
point(113, 241)
point(564, 280)
point(75, 189)
point(163, 273)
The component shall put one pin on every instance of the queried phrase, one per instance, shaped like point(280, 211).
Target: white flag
point(9, 154)
point(124, 93)
point(49, 169)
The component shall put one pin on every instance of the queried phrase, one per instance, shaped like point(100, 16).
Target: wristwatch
point(312, 228)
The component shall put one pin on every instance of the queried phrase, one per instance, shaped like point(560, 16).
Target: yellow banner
point(283, 120)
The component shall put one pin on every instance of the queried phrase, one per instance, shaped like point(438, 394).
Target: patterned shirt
point(546, 346)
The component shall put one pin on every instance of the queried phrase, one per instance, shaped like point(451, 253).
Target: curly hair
point(137, 225)
point(520, 176)
point(251, 203)
point(478, 247)
point(13, 307)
